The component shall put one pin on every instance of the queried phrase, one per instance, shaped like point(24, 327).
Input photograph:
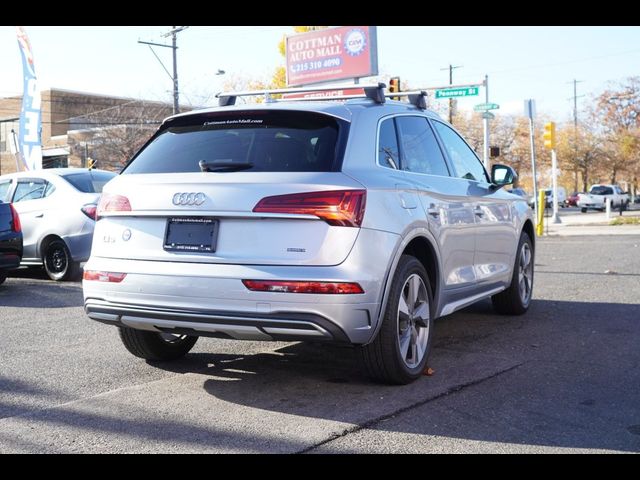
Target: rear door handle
point(40, 215)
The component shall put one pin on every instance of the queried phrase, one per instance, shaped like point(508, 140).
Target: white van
point(562, 196)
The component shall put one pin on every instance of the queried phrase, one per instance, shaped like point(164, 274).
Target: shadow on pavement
point(564, 375)
point(31, 287)
point(560, 376)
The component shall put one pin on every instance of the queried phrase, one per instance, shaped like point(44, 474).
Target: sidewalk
point(591, 223)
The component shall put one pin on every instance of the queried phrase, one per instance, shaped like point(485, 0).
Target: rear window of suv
point(259, 141)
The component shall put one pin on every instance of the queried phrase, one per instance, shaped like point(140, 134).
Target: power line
point(566, 62)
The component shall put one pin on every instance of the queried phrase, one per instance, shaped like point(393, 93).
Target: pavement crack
point(374, 421)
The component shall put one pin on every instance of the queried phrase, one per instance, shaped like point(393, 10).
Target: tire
point(583, 210)
point(155, 345)
point(3, 276)
point(399, 353)
point(516, 299)
point(58, 262)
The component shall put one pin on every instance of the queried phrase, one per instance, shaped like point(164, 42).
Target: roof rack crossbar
point(415, 97)
point(374, 92)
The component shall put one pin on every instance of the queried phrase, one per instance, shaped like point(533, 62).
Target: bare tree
point(581, 150)
point(113, 135)
point(617, 113)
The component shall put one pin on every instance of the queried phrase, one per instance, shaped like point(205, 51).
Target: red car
point(572, 200)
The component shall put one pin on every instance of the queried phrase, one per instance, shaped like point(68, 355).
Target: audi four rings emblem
point(189, 198)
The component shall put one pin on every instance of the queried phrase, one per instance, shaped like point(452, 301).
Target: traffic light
point(394, 86)
point(549, 135)
point(91, 163)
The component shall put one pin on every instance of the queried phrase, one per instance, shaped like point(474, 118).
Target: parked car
point(562, 196)
point(548, 192)
point(597, 196)
point(572, 200)
point(354, 222)
point(57, 209)
point(10, 239)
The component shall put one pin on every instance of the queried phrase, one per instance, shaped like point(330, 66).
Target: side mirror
point(502, 175)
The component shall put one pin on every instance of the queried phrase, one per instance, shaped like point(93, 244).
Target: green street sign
point(486, 106)
point(456, 92)
point(488, 115)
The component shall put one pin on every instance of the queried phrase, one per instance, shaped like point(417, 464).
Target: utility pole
point(174, 46)
point(174, 78)
point(450, 68)
point(485, 125)
point(575, 129)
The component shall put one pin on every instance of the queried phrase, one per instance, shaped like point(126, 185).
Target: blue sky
point(522, 62)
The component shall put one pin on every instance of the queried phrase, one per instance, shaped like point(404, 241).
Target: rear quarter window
point(4, 190)
point(261, 141)
point(89, 182)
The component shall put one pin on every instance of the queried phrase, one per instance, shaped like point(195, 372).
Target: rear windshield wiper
point(224, 166)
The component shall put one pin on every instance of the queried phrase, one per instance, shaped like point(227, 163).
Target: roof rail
point(375, 92)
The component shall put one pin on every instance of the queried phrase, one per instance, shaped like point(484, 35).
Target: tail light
point(90, 210)
point(302, 287)
point(112, 203)
point(110, 277)
point(343, 208)
point(16, 226)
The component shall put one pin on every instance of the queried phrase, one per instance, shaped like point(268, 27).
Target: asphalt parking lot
point(562, 378)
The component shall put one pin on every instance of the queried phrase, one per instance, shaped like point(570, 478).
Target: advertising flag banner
point(29, 142)
point(331, 54)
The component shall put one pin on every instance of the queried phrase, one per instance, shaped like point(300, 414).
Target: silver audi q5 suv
point(356, 222)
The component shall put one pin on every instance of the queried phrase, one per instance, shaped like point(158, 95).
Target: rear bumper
point(10, 250)
point(9, 261)
point(210, 299)
point(598, 206)
point(238, 325)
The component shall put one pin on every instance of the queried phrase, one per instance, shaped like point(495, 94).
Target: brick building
point(77, 126)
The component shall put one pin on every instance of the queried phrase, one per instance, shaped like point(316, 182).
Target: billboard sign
point(331, 54)
point(29, 144)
